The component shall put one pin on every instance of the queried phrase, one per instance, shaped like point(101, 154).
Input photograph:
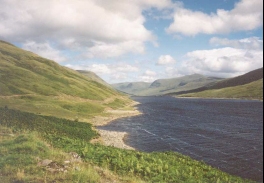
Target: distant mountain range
point(165, 86)
point(238, 87)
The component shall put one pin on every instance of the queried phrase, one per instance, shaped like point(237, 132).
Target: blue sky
point(140, 40)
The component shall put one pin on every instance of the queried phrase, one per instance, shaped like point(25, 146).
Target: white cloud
point(172, 72)
point(116, 27)
point(116, 72)
point(118, 77)
point(246, 15)
point(222, 62)
point(124, 67)
point(86, 19)
point(111, 68)
point(247, 43)
point(150, 73)
point(99, 68)
point(165, 60)
point(44, 50)
point(148, 76)
point(108, 50)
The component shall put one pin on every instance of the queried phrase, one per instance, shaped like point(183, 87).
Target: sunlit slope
point(23, 72)
point(240, 80)
point(253, 90)
point(32, 83)
point(229, 82)
point(94, 77)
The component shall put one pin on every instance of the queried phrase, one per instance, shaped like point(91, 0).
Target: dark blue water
point(227, 134)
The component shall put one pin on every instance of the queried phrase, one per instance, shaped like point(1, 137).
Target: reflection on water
point(227, 134)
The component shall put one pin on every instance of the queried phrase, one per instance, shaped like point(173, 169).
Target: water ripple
point(227, 134)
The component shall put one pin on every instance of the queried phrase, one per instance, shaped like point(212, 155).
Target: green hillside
point(253, 90)
point(31, 83)
point(239, 80)
point(229, 82)
point(94, 77)
point(165, 86)
point(133, 88)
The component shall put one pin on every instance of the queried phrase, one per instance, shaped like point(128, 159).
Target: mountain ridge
point(93, 76)
point(246, 78)
point(164, 86)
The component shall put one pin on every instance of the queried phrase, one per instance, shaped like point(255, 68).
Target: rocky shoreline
point(113, 138)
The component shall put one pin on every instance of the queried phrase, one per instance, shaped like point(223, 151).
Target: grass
point(20, 154)
point(64, 106)
point(23, 72)
point(117, 103)
point(253, 90)
point(38, 85)
point(41, 106)
point(68, 136)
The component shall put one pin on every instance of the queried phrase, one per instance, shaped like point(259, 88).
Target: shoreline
point(113, 138)
point(218, 98)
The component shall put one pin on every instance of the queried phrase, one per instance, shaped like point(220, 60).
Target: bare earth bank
point(113, 138)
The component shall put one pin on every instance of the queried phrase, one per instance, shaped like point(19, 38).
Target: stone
point(67, 162)
point(45, 162)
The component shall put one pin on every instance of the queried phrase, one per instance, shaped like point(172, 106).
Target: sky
point(140, 40)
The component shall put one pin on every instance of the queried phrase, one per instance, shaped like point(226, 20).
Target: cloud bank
point(106, 28)
point(247, 15)
point(223, 62)
point(97, 34)
point(166, 60)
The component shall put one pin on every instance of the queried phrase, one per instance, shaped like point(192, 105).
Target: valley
point(48, 112)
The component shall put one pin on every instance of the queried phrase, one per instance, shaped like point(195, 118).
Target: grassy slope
point(130, 166)
point(94, 77)
point(253, 90)
point(230, 82)
point(21, 152)
point(35, 84)
point(240, 80)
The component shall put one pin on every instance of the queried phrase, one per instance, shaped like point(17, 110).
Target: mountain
point(249, 85)
point(253, 90)
point(31, 83)
point(165, 86)
point(91, 75)
point(131, 87)
point(235, 81)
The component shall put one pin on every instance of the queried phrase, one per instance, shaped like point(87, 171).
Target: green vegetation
point(253, 90)
point(71, 136)
point(54, 99)
point(23, 72)
point(94, 77)
point(117, 103)
point(38, 85)
point(20, 153)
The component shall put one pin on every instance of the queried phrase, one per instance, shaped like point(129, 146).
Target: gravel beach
point(113, 138)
